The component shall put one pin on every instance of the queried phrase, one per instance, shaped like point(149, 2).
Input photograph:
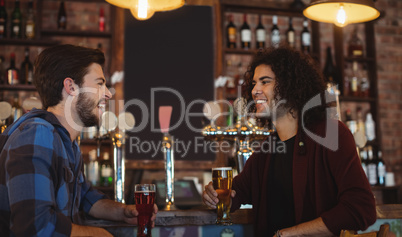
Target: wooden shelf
point(18, 87)
point(76, 33)
point(356, 99)
point(359, 59)
point(28, 42)
point(241, 51)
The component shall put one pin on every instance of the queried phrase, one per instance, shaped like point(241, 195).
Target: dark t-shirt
point(280, 185)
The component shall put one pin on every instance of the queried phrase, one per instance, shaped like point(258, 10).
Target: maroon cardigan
point(328, 184)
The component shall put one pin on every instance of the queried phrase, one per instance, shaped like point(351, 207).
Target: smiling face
point(263, 93)
point(91, 101)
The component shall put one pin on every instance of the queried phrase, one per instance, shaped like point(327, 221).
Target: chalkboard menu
point(169, 61)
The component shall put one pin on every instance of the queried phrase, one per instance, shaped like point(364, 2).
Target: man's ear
point(70, 86)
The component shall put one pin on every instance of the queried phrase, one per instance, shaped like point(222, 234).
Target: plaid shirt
point(42, 186)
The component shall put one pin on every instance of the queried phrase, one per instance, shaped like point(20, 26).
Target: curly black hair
point(298, 79)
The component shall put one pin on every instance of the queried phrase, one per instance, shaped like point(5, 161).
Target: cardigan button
point(301, 144)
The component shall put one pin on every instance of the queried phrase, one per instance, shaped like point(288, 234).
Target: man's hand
point(131, 214)
point(210, 196)
point(79, 230)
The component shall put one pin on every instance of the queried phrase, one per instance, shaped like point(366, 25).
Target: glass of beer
point(222, 181)
point(144, 195)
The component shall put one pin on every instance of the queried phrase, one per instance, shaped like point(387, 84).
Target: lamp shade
point(155, 5)
point(353, 11)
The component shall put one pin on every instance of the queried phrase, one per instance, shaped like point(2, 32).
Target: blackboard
point(169, 56)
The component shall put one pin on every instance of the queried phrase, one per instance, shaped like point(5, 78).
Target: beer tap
point(5, 112)
point(165, 113)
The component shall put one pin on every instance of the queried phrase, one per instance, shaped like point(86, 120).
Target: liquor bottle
point(371, 167)
point(62, 17)
point(275, 34)
point(26, 75)
point(355, 45)
point(3, 20)
point(360, 121)
point(16, 109)
point(101, 20)
point(330, 71)
point(346, 81)
point(245, 34)
point(2, 71)
point(231, 33)
point(355, 80)
point(16, 21)
point(260, 34)
point(290, 34)
point(12, 71)
point(93, 168)
point(30, 21)
point(364, 83)
point(381, 169)
point(106, 171)
point(305, 38)
point(370, 127)
point(363, 159)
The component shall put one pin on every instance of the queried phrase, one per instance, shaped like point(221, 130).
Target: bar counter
point(206, 217)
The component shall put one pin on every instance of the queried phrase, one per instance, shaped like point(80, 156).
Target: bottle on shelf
point(275, 34)
point(3, 20)
point(364, 84)
point(17, 111)
point(2, 71)
point(93, 168)
point(355, 80)
point(330, 70)
point(245, 34)
point(371, 167)
point(381, 169)
point(355, 45)
point(106, 171)
point(101, 20)
point(231, 33)
point(229, 119)
point(260, 34)
point(290, 34)
point(360, 121)
point(346, 81)
point(305, 38)
point(16, 21)
point(30, 21)
point(363, 159)
point(370, 127)
point(12, 72)
point(26, 75)
point(62, 17)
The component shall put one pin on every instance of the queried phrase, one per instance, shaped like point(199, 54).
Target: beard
point(85, 107)
point(273, 111)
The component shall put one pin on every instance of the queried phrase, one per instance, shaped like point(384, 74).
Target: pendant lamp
point(145, 9)
point(341, 12)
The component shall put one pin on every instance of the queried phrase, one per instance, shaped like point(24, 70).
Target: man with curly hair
point(316, 185)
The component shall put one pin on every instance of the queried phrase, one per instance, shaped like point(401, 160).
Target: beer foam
point(222, 168)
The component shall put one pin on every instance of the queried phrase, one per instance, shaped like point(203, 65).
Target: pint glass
point(144, 201)
point(222, 181)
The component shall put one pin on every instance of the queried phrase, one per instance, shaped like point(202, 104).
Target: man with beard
point(42, 186)
point(314, 187)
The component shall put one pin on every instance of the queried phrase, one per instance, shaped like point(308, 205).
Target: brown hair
point(56, 63)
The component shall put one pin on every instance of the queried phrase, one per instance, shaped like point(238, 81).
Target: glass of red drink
point(144, 201)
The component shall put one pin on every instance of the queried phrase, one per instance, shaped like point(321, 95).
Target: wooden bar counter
point(206, 217)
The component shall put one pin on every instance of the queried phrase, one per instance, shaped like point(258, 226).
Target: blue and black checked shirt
point(42, 186)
